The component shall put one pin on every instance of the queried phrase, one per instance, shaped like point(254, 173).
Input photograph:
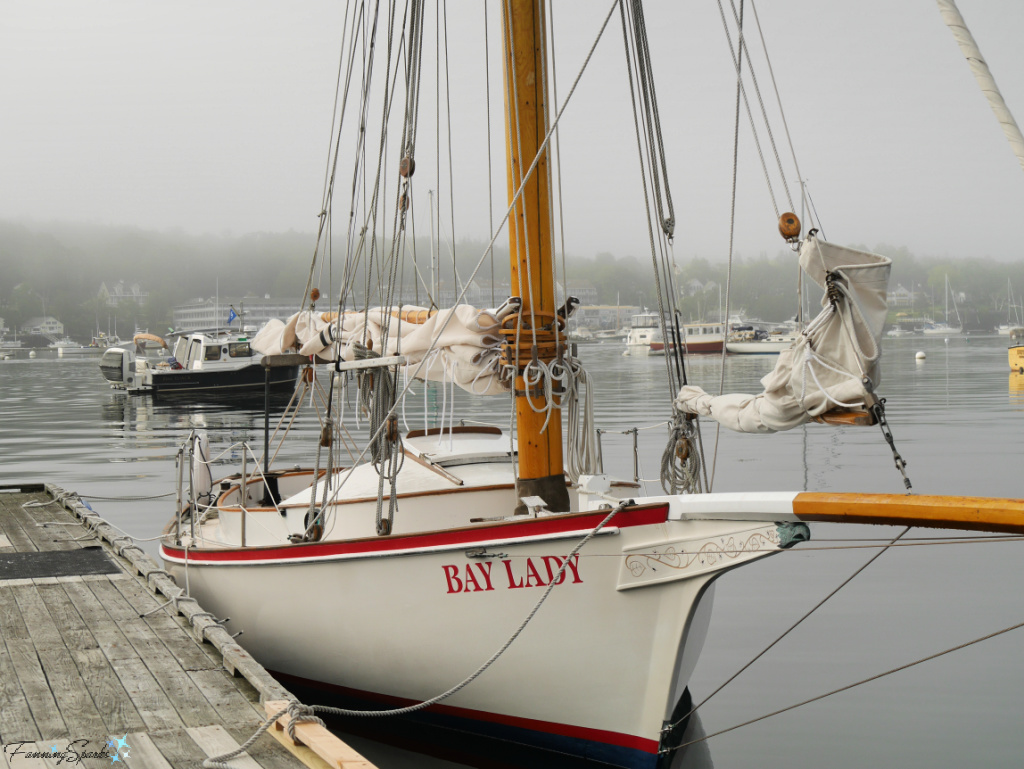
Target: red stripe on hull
point(563, 730)
point(535, 527)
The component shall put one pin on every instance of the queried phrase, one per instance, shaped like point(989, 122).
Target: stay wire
point(791, 628)
point(850, 686)
point(732, 226)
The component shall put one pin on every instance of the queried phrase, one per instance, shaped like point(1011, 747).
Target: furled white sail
point(460, 344)
point(964, 38)
point(826, 367)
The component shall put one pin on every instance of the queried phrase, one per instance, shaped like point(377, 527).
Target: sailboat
point(500, 582)
point(1013, 320)
point(942, 328)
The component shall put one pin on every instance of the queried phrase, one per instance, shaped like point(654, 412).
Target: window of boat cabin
point(239, 350)
point(212, 352)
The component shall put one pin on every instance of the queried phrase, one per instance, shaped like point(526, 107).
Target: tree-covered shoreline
point(57, 269)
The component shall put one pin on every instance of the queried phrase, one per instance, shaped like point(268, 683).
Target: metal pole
point(245, 452)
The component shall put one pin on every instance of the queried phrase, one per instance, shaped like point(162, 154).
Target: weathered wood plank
point(108, 693)
point(73, 628)
point(178, 638)
point(45, 714)
point(149, 700)
point(179, 749)
point(144, 753)
point(65, 681)
point(12, 625)
point(103, 628)
point(44, 537)
point(221, 692)
point(215, 741)
point(18, 537)
point(16, 722)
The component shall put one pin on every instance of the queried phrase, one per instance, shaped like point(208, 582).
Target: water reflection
point(954, 417)
point(1017, 391)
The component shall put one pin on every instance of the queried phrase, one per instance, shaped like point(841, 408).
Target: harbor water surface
point(957, 419)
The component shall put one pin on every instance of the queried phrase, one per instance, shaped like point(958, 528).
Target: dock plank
point(175, 633)
point(66, 682)
point(215, 740)
point(36, 688)
point(150, 701)
point(144, 753)
point(16, 722)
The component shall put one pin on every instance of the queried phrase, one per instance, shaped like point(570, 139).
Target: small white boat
point(644, 330)
point(754, 343)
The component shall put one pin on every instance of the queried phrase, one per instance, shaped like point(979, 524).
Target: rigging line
point(331, 166)
point(490, 183)
point(764, 113)
point(513, 118)
point(512, 204)
point(737, 66)
point(645, 78)
point(793, 627)
point(451, 161)
point(335, 119)
point(778, 96)
point(647, 203)
point(814, 208)
point(853, 685)
point(732, 224)
point(547, 32)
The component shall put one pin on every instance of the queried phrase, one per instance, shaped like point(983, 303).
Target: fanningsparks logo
point(73, 753)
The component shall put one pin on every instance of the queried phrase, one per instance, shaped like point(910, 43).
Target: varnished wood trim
point(935, 512)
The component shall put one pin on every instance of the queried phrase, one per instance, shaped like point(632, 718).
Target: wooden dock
point(91, 665)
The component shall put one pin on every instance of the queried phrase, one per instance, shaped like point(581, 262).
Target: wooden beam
point(936, 512)
point(328, 747)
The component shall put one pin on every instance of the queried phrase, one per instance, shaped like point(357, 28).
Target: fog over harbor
point(206, 118)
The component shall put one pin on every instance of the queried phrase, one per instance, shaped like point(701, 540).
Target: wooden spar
point(936, 512)
point(530, 250)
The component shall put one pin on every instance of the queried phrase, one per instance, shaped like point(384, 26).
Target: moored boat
point(201, 364)
point(477, 577)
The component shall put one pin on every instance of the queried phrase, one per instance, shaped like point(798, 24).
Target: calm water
point(957, 419)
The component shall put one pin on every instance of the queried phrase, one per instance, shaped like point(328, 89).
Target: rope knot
point(301, 714)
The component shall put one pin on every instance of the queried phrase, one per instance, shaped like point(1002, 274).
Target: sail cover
point(460, 344)
point(826, 367)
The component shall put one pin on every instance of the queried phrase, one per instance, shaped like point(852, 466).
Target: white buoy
point(920, 355)
point(32, 354)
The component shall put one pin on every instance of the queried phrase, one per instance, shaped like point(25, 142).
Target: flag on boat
point(232, 315)
point(833, 363)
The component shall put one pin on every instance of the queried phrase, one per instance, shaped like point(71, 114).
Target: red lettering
point(531, 574)
point(574, 563)
point(451, 573)
point(553, 570)
point(512, 582)
point(485, 572)
point(471, 580)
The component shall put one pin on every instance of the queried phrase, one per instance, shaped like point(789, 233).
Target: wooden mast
point(530, 247)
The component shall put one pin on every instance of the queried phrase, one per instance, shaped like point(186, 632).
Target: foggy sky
point(215, 117)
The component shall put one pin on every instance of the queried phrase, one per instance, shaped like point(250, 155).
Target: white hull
point(764, 347)
point(940, 330)
point(404, 618)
